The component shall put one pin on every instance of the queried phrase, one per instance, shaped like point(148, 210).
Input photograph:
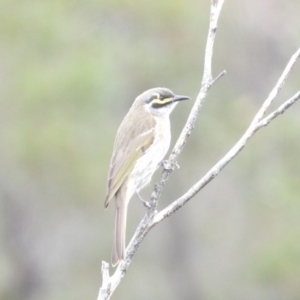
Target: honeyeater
point(141, 143)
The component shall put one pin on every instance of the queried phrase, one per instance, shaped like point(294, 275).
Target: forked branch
point(153, 217)
point(257, 123)
point(109, 284)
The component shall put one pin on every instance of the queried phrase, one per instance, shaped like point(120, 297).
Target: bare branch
point(256, 124)
point(280, 110)
point(223, 73)
point(153, 217)
point(276, 89)
point(207, 81)
point(105, 292)
point(108, 286)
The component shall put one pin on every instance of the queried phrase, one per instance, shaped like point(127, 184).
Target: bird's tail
point(118, 253)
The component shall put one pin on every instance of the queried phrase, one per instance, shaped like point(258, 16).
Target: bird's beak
point(180, 98)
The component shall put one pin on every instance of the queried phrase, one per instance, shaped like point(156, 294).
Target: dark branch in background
point(153, 217)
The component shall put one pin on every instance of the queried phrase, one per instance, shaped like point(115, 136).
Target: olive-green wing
point(124, 159)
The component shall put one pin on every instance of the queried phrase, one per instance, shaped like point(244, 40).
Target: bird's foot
point(169, 165)
point(145, 203)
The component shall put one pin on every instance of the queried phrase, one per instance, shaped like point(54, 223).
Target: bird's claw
point(145, 203)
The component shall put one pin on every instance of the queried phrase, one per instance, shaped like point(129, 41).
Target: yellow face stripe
point(159, 101)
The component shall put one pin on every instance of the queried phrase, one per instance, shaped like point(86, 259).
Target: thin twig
point(108, 286)
point(223, 73)
point(280, 110)
point(206, 83)
point(255, 125)
point(276, 89)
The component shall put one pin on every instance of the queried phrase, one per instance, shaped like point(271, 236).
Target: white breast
point(148, 163)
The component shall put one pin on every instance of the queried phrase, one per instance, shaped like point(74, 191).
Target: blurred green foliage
point(69, 73)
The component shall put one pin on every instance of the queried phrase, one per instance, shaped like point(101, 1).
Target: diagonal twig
point(111, 283)
point(255, 125)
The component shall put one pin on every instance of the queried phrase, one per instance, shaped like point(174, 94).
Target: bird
point(141, 143)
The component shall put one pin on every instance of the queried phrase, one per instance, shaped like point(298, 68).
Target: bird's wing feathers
point(132, 146)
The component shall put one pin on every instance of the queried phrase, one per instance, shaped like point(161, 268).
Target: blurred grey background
point(69, 73)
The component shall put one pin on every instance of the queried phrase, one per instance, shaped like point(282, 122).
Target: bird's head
point(159, 101)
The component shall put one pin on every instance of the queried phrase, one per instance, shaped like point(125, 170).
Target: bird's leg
point(146, 203)
point(169, 165)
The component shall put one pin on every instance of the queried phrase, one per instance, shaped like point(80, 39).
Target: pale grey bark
point(153, 217)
